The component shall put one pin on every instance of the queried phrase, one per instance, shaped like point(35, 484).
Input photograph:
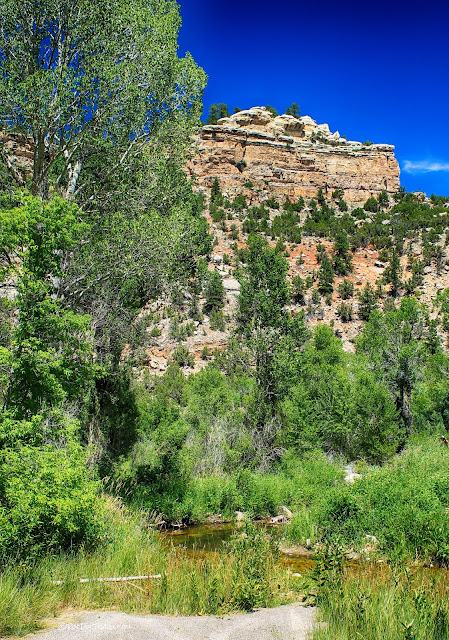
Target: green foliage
point(215, 193)
point(51, 347)
point(264, 288)
point(394, 603)
point(298, 287)
point(383, 200)
point(48, 501)
point(346, 289)
point(286, 225)
point(182, 356)
point(367, 301)
point(58, 85)
point(239, 203)
point(326, 275)
point(272, 203)
point(345, 312)
point(256, 552)
point(272, 110)
point(371, 205)
point(402, 504)
point(342, 260)
point(293, 110)
point(217, 320)
point(394, 342)
point(336, 408)
point(217, 215)
point(214, 292)
point(216, 111)
point(393, 272)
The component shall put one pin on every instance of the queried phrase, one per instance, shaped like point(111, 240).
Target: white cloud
point(424, 166)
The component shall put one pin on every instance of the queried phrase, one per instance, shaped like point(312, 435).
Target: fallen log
point(123, 579)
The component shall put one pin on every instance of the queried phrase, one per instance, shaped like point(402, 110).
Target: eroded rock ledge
point(289, 157)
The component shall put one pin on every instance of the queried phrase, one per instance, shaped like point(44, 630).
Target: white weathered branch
point(123, 579)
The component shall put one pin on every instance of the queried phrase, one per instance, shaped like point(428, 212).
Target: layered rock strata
point(289, 157)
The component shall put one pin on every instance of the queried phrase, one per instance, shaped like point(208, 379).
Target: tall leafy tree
point(51, 349)
point(264, 290)
point(270, 336)
point(93, 84)
point(396, 347)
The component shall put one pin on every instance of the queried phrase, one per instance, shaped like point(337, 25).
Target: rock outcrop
point(289, 157)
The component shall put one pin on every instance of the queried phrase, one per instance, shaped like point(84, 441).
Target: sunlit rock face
point(289, 157)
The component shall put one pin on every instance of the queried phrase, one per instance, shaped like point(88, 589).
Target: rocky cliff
point(290, 157)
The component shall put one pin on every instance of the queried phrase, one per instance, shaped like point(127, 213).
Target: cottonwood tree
point(109, 107)
point(93, 84)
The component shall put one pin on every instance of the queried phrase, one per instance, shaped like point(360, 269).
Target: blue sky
point(374, 71)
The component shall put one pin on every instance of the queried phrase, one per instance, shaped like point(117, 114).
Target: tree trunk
point(38, 184)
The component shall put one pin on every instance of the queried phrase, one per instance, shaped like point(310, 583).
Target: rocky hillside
point(408, 226)
point(290, 157)
point(307, 191)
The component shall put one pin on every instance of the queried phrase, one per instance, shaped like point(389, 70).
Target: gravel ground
point(290, 622)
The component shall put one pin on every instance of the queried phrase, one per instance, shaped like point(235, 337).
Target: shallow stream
point(208, 538)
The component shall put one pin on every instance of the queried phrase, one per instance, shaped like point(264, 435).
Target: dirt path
point(290, 622)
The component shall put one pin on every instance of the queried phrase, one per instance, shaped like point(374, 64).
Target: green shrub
point(371, 205)
point(214, 292)
point(182, 356)
point(217, 214)
point(403, 504)
point(345, 312)
point(272, 203)
point(49, 500)
point(217, 320)
point(239, 203)
point(346, 289)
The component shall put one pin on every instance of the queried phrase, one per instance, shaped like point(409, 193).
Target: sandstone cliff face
point(289, 157)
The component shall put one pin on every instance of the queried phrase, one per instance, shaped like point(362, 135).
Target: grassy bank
point(389, 603)
point(244, 577)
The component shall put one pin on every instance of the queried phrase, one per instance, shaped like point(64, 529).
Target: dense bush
point(49, 501)
point(403, 504)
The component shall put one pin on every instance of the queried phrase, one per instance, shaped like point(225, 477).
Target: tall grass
point(404, 504)
point(244, 576)
point(386, 604)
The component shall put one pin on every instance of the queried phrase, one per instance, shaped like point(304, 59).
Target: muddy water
point(208, 538)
